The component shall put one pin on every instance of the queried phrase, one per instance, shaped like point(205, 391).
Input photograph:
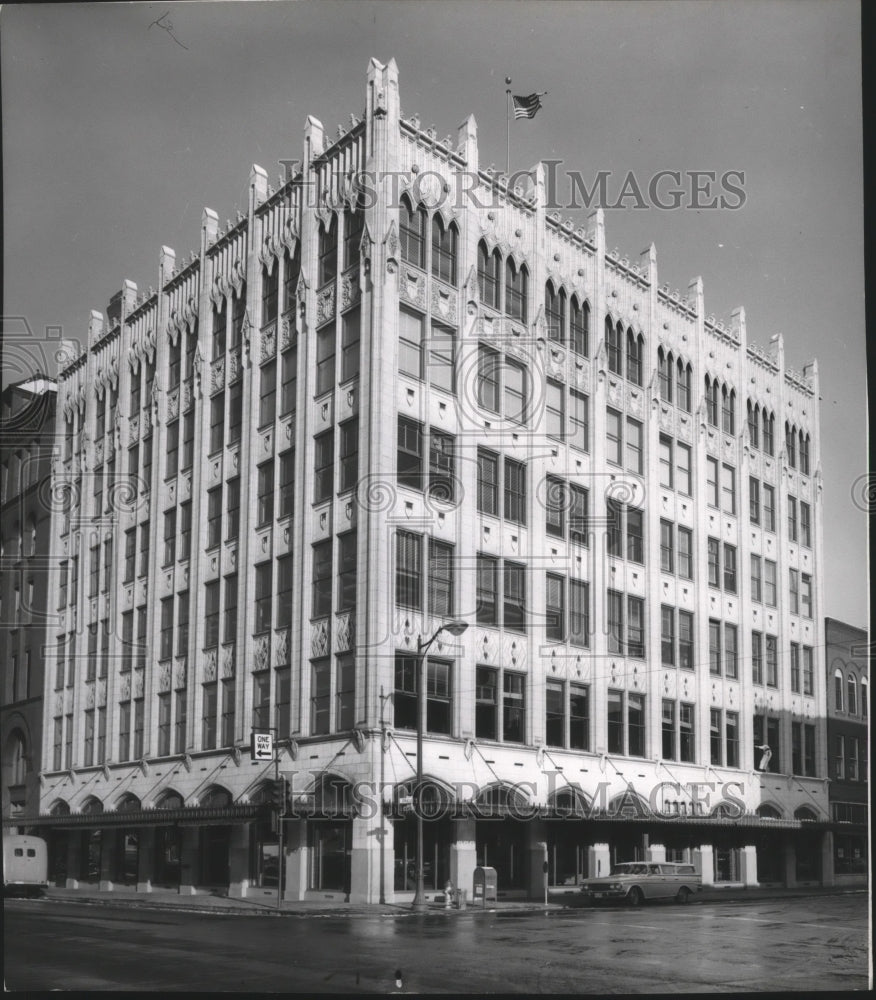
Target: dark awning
point(185, 816)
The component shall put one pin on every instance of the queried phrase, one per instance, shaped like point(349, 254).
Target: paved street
point(808, 943)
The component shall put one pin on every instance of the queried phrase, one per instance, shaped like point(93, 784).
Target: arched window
point(412, 233)
point(838, 689)
point(664, 374)
point(580, 328)
point(220, 323)
point(613, 346)
point(128, 803)
point(489, 269)
point(555, 312)
point(712, 401)
point(516, 291)
point(728, 410)
point(804, 453)
point(852, 690)
point(443, 250)
point(270, 290)
point(216, 797)
point(170, 800)
point(328, 251)
point(635, 349)
point(354, 223)
point(682, 385)
point(791, 445)
point(769, 432)
point(754, 425)
point(864, 697)
point(17, 759)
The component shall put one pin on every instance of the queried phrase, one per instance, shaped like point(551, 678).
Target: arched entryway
point(92, 845)
point(215, 841)
point(58, 841)
point(435, 802)
point(168, 845)
point(126, 856)
point(500, 834)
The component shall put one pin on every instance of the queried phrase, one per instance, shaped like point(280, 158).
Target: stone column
point(655, 852)
point(827, 871)
point(704, 862)
point(238, 861)
point(74, 859)
point(108, 850)
point(297, 858)
point(748, 865)
point(463, 855)
point(188, 868)
point(598, 860)
point(365, 860)
point(145, 859)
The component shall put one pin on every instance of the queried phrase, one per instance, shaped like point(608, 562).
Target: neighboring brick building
point(27, 435)
point(848, 696)
point(354, 415)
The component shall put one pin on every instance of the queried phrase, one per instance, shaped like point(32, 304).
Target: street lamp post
point(454, 628)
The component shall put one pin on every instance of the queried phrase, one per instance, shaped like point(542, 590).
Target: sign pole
point(508, 128)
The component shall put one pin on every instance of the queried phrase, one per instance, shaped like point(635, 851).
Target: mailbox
point(485, 885)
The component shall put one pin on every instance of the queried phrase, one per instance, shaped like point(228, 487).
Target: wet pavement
point(817, 941)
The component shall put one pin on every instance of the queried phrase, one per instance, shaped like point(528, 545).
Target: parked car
point(636, 881)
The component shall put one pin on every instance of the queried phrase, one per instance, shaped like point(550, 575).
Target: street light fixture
point(454, 628)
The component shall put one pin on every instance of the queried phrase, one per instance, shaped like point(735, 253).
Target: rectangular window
point(185, 530)
point(685, 553)
point(442, 468)
point(179, 726)
point(555, 610)
point(635, 535)
point(404, 698)
point(437, 697)
point(728, 489)
point(440, 579)
point(513, 707)
point(322, 579)
point(795, 667)
point(125, 730)
point(809, 754)
point(345, 693)
point(265, 480)
point(772, 661)
point(579, 420)
point(514, 596)
point(261, 700)
point(635, 627)
point(716, 743)
point(796, 748)
point(806, 595)
point(211, 614)
point(409, 457)
point(666, 461)
point(579, 717)
point(227, 713)
point(682, 469)
point(555, 411)
point(487, 590)
point(731, 734)
point(324, 465)
point(284, 591)
point(166, 639)
point(769, 583)
point(229, 632)
point(636, 725)
point(182, 623)
point(613, 437)
point(686, 743)
point(144, 549)
point(794, 591)
point(346, 571)
point(289, 385)
point(287, 481)
point(555, 715)
point(94, 570)
point(579, 613)
point(730, 568)
point(214, 516)
point(757, 657)
point(350, 336)
point(283, 689)
point(488, 379)
point(615, 622)
point(555, 507)
point(209, 717)
point(755, 578)
point(614, 532)
point(410, 343)
point(754, 500)
point(731, 646)
point(217, 423)
point(349, 455)
point(769, 507)
point(514, 392)
point(711, 481)
point(172, 449)
point(666, 546)
point(267, 393)
point(615, 722)
point(169, 537)
point(408, 570)
point(235, 411)
point(442, 355)
point(667, 636)
point(488, 482)
point(808, 676)
point(515, 491)
point(685, 640)
point(578, 515)
point(805, 525)
point(486, 703)
point(263, 597)
point(714, 647)
point(164, 724)
point(320, 696)
point(714, 557)
point(792, 519)
point(325, 359)
point(634, 446)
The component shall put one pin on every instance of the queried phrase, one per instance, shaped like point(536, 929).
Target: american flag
point(526, 107)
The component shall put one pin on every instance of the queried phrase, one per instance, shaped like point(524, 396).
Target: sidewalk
point(168, 899)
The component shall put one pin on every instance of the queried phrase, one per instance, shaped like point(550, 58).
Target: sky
point(122, 122)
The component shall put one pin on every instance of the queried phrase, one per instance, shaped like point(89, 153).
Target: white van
point(25, 864)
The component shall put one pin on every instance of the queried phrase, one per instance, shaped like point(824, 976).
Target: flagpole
point(508, 128)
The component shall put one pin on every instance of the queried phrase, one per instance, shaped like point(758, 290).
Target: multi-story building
point(397, 392)
point(27, 430)
point(847, 662)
